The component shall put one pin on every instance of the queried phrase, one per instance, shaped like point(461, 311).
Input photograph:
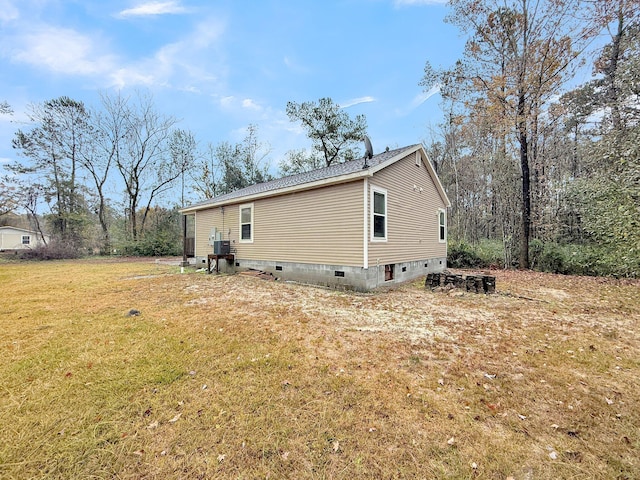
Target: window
point(26, 239)
point(442, 224)
point(246, 223)
point(378, 214)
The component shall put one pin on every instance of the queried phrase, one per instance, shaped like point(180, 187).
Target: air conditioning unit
point(221, 247)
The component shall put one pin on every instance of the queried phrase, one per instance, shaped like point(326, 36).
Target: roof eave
point(282, 191)
point(432, 172)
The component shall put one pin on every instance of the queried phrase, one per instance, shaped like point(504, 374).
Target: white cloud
point(8, 11)
point(179, 63)
point(294, 66)
point(356, 101)
point(424, 96)
point(153, 8)
point(233, 103)
point(227, 102)
point(62, 50)
point(250, 104)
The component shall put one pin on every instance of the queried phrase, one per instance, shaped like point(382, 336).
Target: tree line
point(547, 168)
point(542, 171)
point(109, 178)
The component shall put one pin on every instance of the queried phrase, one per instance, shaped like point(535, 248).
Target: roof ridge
point(322, 173)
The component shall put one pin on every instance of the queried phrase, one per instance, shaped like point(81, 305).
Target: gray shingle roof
point(302, 178)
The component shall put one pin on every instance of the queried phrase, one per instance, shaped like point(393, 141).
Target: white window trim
point(240, 208)
point(27, 238)
point(375, 190)
point(442, 240)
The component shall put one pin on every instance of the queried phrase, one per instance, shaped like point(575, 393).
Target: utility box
point(222, 247)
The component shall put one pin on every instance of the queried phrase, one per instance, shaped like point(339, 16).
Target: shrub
point(462, 255)
point(54, 250)
point(547, 257)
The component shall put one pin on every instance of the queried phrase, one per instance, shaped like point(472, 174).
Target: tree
point(108, 126)
point(518, 54)
point(142, 156)
point(54, 147)
point(300, 161)
point(182, 146)
point(205, 174)
point(608, 199)
point(5, 108)
point(240, 165)
point(334, 134)
point(8, 196)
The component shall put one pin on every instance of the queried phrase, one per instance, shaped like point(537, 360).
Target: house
point(360, 224)
point(14, 238)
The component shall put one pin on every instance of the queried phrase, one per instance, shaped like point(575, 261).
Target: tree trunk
point(526, 185)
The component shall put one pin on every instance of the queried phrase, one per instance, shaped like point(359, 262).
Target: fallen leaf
point(522, 417)
point(609, 401)
point(175, 419)
point(490, 376)
point(451, 441)
point(153, 425)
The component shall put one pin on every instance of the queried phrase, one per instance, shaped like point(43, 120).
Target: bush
point(54, 250)
point(578, 259)
point(547, 257)
point(462, 255)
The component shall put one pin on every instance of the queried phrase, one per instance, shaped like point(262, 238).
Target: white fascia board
point(427, 164)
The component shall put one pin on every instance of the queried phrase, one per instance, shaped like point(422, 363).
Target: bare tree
point(182, 146)
point(142, 154)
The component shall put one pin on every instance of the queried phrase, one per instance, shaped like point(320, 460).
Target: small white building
point(14, 238)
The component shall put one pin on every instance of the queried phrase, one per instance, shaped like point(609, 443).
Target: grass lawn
point(237, 377)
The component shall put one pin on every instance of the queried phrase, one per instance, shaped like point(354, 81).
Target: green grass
point(235, 377)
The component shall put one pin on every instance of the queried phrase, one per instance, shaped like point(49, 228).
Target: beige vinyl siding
point(225, 221)
point(320, 226)
point(412, 215)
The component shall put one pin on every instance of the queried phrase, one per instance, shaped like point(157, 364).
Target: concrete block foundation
point(338, 276)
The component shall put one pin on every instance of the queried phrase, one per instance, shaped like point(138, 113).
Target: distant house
point(14, 238)
point(360, 224)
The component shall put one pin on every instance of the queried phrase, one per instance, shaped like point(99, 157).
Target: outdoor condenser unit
point(221, 247)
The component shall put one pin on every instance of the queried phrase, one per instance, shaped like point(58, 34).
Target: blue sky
point(221, 65)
